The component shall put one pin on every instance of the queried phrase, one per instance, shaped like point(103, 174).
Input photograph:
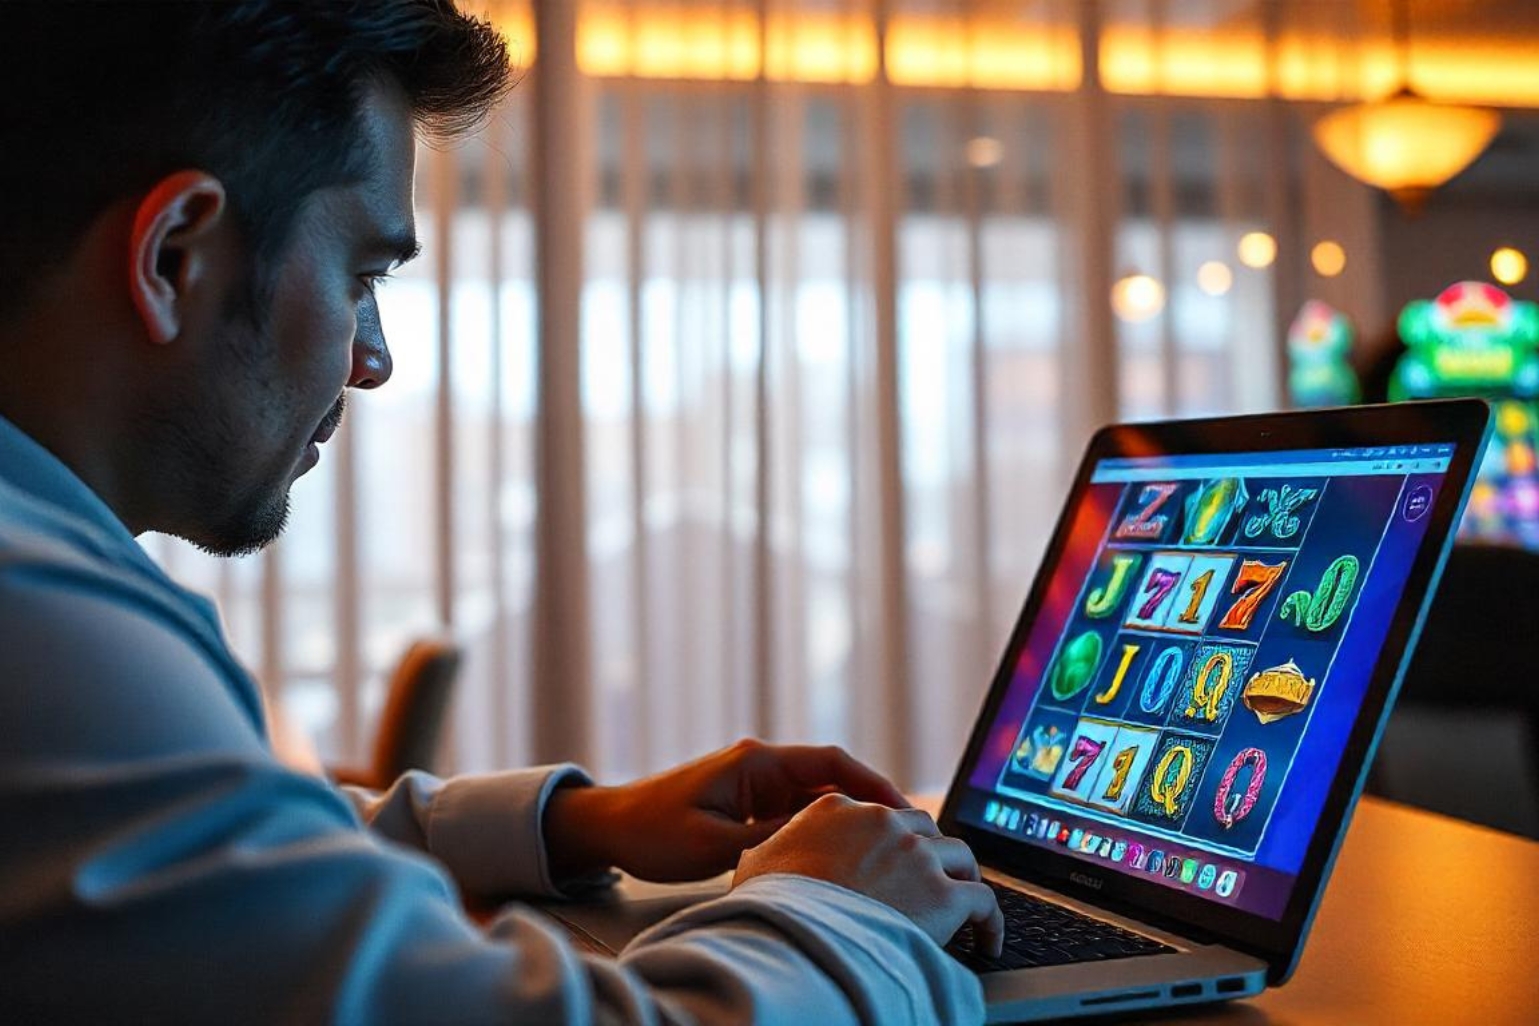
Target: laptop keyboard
point(1039, 933)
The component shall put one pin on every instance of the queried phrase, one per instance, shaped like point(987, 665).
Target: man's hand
point(695, 820)
point(896, 856)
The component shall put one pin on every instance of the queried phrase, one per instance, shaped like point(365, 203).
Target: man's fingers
point(979, 902)
point(917, 821)
point(817, 767)
point(956, 859)
point(987, 920)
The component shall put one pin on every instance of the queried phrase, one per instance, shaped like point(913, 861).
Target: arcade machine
point(1474, 339)
point(1319, 342)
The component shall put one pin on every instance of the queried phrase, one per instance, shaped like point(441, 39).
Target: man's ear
point(175, 247)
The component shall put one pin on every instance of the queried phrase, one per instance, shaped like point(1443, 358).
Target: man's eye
point(372, 282)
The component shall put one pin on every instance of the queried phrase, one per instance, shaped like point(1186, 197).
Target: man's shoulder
point(84, 612)
point(35, 532)
point(45, 545)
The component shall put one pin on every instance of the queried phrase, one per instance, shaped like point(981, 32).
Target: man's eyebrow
point(402, 247)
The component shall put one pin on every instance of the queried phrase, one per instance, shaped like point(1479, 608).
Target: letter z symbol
point(1144, 525)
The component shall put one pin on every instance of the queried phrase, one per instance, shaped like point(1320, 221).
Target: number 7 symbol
point(1252, 584)
point(1084, 755)
point(1159, 584)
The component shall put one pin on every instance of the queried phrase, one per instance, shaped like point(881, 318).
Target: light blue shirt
point(157, 864)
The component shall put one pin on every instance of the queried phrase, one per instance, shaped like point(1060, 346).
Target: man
point(195, 203)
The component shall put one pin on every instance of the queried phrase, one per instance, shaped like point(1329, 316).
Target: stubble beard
point(230, 515)
point(227, 511)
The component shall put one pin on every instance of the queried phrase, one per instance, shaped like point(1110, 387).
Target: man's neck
point(52, 396)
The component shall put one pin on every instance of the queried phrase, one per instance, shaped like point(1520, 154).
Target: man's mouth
point(329, 423)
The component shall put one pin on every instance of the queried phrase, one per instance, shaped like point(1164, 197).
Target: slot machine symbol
point(1149, 514)
point(1282, 514)
point(1106, 597)
point(1319, 610)
point(1039, 752)
point(1166, 792)
point(1207, 693)
point(1232, 804)
point(1208, 510)
point(1075, 666)
point(1277, 691)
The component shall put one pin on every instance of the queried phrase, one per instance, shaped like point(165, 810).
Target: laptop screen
point(1180, 704)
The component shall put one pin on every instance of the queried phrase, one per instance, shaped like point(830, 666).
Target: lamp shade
point(1405, 144)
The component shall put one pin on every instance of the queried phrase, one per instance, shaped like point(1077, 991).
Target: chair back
point(416, 703)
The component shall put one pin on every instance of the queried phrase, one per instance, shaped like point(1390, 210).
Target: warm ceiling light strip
point(1234, 65)
point(1486, 74)
point(677, 43)
point(982, 55)
point(671, 41)
point(823, 49)
point(827, 48)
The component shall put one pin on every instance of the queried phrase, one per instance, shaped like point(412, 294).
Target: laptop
point(1168, 756)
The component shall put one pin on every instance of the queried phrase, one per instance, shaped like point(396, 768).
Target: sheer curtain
point(741, 376)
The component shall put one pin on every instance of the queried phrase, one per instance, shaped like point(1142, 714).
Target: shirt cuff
point(487, 829)
point(877, 956)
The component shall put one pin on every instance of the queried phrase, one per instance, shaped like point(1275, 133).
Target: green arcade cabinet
point(1475, 339)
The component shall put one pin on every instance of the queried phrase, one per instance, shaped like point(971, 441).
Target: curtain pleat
point(561, 706)
point(635, 172)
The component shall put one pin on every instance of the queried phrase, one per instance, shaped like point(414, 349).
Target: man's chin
point(247, 534)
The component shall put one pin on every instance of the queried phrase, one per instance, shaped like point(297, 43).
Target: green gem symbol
point(1208, 511)
point(1076, 666)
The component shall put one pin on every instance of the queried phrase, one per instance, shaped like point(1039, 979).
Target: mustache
point(333, 418)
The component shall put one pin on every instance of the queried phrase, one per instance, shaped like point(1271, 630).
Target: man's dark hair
point(99, 100)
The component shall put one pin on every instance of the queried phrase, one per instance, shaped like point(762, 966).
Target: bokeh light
point(1257, 249)
point(1215, 278)
point(1328, 258)
point(1509, 266)
point(1137, 297)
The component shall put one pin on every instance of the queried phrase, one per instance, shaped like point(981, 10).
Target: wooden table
point(1426, 920)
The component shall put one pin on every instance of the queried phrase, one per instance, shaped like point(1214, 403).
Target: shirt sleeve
point(160, 865)
point(484, 828)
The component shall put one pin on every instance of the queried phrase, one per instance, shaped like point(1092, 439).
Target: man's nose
point(371, 356)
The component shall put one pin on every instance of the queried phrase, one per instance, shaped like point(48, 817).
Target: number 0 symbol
point(1230, 809)
point(1161, 679)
